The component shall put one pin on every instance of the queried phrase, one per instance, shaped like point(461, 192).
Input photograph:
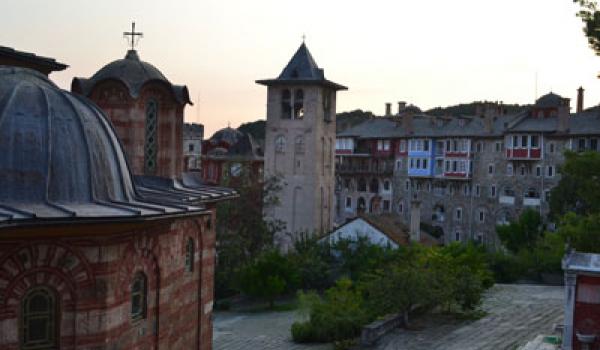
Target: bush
point(269, 276)
point(312, 261)
point(338, 316)
point(505, 268)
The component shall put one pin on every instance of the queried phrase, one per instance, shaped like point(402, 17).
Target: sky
point(429, 53)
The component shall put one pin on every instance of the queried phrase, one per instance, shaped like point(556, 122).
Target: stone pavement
point(516, 315)
point(257, 331)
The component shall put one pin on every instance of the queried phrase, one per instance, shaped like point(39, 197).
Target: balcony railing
point(510, 200)
point(531, 201)
point(356, 169)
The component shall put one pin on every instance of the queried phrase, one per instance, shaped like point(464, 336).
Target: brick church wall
point(91, 275)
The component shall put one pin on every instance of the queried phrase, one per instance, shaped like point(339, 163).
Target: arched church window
point(374, 186)
point(286, 104)
point(299, 144)
point(151, 142)
point(138, 296)
point(299, 104)
point(280, 144)
point(189, 255)
point(39, 320)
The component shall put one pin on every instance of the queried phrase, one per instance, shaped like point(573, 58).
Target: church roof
point(61, 161)
point(228, 134)
point(550, 100)
point(302, 69)
point(134, 74)
point(42, 64)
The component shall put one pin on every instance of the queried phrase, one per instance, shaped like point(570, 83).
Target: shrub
point(338, 316)
point(269, 276)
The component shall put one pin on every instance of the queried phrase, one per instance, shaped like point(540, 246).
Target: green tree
point(581, 232)
point(522, 234)
point(268, 277)
point(590, 16)
point(578, 190)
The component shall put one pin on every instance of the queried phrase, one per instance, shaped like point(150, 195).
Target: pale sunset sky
point(429, 53)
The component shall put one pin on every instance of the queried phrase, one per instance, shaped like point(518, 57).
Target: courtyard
point(515, 314)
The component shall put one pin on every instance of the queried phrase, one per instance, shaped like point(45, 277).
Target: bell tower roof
point(302, 69)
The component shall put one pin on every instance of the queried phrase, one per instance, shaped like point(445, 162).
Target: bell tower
point(300, 145)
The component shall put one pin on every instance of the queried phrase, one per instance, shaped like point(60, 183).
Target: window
point(399, 164)
point(347, 183)
point(551, 147)
point(524, 141)
point(150, 140)
point(191, 147)
point(515, 142)
point(386, 185)
point(327, 105)
point(581, 145)
point(550, 171)
point(424, 163)
point(362, 185)
point(426, 145)
point(481, 216)
point(386, 205)
point(479, 147)
point(280, 144)
point(509, 169)
point(477, 190)
point(189, 255)
point(493, 191)
point(402, 145)
point(348, 202)
point(400, 207)
point(457, 236)
point(138, 296)
point(286, 104)
point(458, 214)
point(538, 171)
point(299, 104)
point(490, 169)
point(407, 185)
point(39, 321)
point(594, 144)
point(522, 170)
point(447, 145)
point(299, 144)
point(535, 141)
point(466, 189)
point(498, 146)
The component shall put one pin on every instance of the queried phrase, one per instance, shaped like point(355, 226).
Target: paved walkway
point(516, 314)
point(257, 331)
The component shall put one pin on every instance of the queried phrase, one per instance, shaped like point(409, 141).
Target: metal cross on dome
point(133, 34)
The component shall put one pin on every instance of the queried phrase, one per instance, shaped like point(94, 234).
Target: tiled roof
point(51, 63)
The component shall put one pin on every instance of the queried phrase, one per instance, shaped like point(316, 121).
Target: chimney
point(489, 114)
point(388, 109)
point(415, 220)
point(580, 99)
point(563, 118)
point(401, 107)
point(407, 122)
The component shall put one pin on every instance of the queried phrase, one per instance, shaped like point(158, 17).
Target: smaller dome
point(550, 100)
point(133, 73)
point(228, 135)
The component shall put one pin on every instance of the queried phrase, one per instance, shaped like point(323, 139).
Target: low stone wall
point(372, 332)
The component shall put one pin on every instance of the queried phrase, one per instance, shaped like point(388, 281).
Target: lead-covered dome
point(60, 158)
point(134, 74)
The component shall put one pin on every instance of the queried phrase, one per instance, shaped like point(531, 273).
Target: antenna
point(536, 86)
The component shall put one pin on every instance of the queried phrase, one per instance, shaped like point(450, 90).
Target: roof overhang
point(289, 82)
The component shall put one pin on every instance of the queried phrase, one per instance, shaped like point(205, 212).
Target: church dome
point(56, 146)
point(61, 159)
point(229, 135)
point(134, 74)
point(550, 100)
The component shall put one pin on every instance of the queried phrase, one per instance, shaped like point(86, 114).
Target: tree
point(578, 190)
point(269, 276)
point(581, 232)
point(242, 232)
point(522, 234)
point(590, 16)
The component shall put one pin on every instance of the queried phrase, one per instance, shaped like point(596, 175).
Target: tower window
point(299, 104)
point(280, 144)
point(151, 144)
point(138, 296)
point(299, 144)
point(327, 105)
point(39, 320)
point(286, 104)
